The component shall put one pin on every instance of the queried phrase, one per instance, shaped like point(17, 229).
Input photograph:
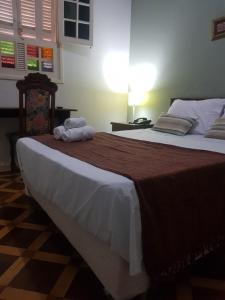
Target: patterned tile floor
point(37, 262)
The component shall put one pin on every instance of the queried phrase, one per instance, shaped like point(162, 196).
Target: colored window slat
point(8, 62)
point(47, 53)
point(32, 51)
point(7, 48)
point(47, 66)
point(33, 64)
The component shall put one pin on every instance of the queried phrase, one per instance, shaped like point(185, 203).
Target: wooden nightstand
point(126, 126)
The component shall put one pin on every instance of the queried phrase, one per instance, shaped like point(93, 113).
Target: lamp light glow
point(135, 97)
point(115, 69)
point(142, 77)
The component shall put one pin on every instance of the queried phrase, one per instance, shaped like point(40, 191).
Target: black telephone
point(141, 121)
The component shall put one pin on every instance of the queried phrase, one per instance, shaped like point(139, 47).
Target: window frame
point(76, 40)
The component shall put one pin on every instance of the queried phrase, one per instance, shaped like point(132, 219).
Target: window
point(28, 38)
point(76, 21)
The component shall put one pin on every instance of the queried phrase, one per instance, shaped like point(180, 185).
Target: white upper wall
point(84, 84)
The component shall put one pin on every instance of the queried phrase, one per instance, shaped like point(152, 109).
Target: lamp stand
point(133, 112)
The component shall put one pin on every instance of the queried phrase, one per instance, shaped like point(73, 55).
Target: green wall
point(175, 36)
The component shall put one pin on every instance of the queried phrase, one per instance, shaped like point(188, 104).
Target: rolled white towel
point(78, 134)
point(58, 131)
point(74, 123)
point(88, 132)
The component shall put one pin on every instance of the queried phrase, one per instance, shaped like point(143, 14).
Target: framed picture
point(218, 28)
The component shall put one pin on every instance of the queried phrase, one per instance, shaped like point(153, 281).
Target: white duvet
point(103, 203)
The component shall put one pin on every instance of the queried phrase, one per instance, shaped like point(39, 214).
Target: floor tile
point(38, 217)
point(10, 213)
point(20, 237)
point(57, 243)
point(38, 276)
point(6, 261)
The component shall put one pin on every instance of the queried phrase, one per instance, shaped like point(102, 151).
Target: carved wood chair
point(36, 109)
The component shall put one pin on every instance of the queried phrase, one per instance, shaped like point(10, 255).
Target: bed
point(97, 210)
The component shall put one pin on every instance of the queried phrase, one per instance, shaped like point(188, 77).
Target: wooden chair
point(36, 109)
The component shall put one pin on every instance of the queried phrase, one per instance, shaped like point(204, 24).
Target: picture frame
point(218, 28)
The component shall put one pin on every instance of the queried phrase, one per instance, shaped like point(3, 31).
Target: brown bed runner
point(181, 193)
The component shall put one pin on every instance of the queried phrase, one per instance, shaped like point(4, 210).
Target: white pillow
point(204, 111)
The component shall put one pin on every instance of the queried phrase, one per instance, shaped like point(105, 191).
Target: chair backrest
point(36, 104)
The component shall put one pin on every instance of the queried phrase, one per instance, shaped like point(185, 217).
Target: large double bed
point(98, 210)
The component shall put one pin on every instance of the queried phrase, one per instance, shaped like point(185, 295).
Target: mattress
point(102, 203)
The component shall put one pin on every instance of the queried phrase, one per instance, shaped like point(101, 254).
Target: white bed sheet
point(103, 203)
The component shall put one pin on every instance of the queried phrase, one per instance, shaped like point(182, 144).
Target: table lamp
point(134, 99)
point(141, 79)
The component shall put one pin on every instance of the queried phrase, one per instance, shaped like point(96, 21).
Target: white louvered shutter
point(27, 19)
point(6, 17)
point(48, 16)
point(37, 19)
point(20, 52)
